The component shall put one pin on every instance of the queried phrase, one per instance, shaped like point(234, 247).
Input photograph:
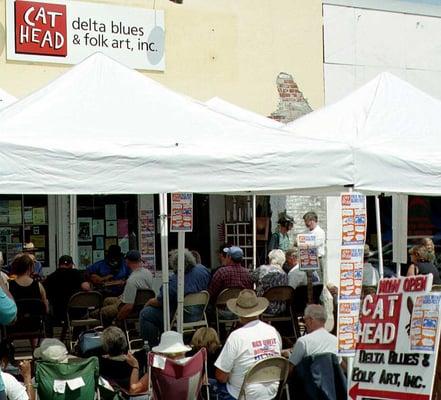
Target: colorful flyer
point(39, 216)
point(147, 237)
point(98, 255)
point(348, 316)
point(353, 213)
point(308, 252)
point(351, 273)
point(15, 212)
point(425, 321)
point(181, 212)
point(123, 228)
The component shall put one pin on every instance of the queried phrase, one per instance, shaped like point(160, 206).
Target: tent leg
point(379, 239)
point(181, 273)
point(164, 258)
point(254, 233)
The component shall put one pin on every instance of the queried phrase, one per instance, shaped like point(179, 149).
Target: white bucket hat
point(171, 343)
point(52, 350)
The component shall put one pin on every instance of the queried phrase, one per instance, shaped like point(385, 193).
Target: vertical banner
point(308, 252)
point(147, 237)
point(353, 236)
point(181, 212)
point(397, 347)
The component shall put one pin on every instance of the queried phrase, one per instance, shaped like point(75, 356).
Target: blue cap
point(236, 253)
point(133, 255)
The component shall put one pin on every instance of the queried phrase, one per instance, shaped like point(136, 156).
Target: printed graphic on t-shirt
point(264, 348)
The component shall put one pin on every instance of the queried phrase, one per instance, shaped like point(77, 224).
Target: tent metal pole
point(181, 275)
point(164, 259)
point(254, 233)
point(379, 239)
point(73, 244)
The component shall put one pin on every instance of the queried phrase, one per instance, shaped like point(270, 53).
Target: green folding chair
point(77, 379)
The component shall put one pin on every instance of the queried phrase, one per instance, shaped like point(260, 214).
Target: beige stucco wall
point(233, 49)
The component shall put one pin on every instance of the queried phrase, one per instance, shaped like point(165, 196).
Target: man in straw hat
point(253, 342)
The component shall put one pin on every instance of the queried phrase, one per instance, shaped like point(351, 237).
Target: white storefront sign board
point(66, 32)
point(385, 367)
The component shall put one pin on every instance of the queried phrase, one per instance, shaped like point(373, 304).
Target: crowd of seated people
point(119, 277)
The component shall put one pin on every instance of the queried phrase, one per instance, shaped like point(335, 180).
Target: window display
point(24, 219)
point(103, 221)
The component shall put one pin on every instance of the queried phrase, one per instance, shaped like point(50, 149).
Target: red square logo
point(40, 28)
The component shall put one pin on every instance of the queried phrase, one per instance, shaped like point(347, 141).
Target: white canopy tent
point(222, 106)
point(104, 128)
point(6, 99)
point(394, 131)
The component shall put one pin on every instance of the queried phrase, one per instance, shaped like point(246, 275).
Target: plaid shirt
point(231, 276)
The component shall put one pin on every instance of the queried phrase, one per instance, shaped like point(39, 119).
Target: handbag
point(90, 342)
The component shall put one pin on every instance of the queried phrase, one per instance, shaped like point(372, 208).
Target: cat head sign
point(68, 32)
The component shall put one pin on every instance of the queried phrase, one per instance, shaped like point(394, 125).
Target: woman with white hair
point(271, 275)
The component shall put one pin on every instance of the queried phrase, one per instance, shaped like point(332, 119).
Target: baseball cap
point(236, 253)
point(65, 260)
point(133, 255)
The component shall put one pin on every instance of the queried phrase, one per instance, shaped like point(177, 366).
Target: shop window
point(103, 221)
point(24, 219)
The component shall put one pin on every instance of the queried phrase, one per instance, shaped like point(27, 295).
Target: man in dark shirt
point(62, 284)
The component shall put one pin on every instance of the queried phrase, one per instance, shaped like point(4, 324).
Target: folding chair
point(285, 294)
point(272, 369)
point(76, 379)
point(201, 300)
point(221, 305)
point(142, 296)
point(30, 321)
point(82, 302)
point(169, 379)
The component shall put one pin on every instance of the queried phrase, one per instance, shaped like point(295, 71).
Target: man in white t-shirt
point(318, 340)
point(245, 346)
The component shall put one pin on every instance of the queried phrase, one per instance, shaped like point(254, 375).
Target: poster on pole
point(385, 367)
point(353, 213)
point(308, 252)
point(425, 321)
point(181, 212)
point(348, 315)
point(351, 273)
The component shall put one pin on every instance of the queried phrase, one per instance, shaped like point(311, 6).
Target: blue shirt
point(101, 268)
point(196, 280)
point(8, 312)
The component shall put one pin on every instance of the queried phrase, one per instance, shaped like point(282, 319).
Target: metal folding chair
point(80, 306)
point(201, 300)
point(285, 294)
point(142, 296)
point(272, 369)
point(221, 306)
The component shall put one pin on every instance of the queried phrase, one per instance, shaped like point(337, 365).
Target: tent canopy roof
point(394, 131)
point(104, 128)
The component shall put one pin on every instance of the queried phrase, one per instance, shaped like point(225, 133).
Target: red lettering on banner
point(415, 283)
point(389, 286)
point(380, 315)
point(40, 28)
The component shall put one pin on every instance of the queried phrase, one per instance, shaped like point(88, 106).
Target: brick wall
point(292, 105)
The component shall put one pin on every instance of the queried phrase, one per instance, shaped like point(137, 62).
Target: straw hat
point(171, 343)
point(247, 304)
point(52, 350)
